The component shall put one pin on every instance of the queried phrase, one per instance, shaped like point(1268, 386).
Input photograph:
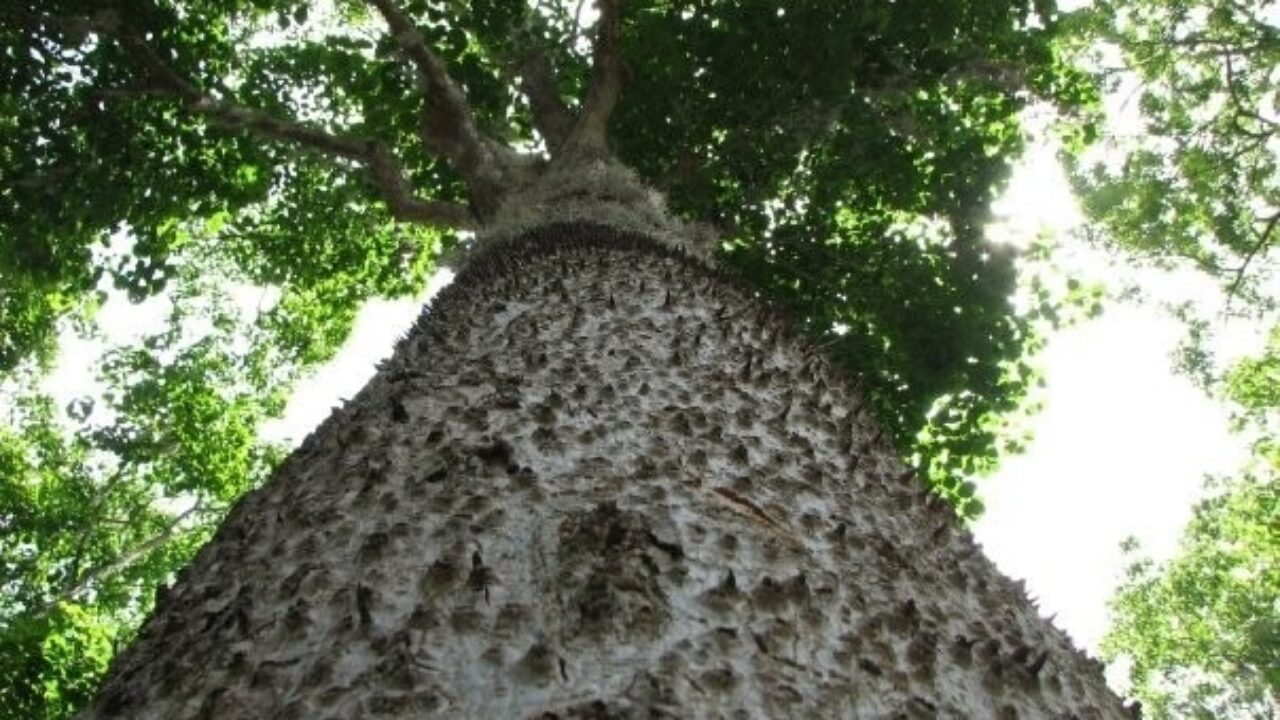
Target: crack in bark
point(750, 510)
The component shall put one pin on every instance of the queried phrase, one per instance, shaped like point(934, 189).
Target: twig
point(1264, 239)
point(1241, 109)
point(577, 24)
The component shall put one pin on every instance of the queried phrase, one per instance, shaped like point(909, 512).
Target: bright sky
point(1122, 445)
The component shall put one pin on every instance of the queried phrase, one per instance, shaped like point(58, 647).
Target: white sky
point(1122, 445)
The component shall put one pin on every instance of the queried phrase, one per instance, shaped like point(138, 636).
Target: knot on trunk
point(611, 569)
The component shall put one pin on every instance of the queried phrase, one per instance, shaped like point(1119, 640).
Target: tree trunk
point(598, 480)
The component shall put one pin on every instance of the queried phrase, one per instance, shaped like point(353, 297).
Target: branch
point(1011, 77)
point(551, 117)
point(122, 563)
point(404, 205)
point(385, 171)
point(448, 127)
point(591, 132)
point(1264, 239)
point(1233, 92)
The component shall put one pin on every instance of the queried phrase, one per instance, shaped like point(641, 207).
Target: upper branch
point(385, 171)
point(551, 116)
point(1242, 107)
point(591, 132)
point(449, 127)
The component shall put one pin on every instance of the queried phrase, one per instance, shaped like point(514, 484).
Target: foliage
point(1198, 186)
point(849, 177)
point(1199, 183)
point(1201, 631)
point(102, 502)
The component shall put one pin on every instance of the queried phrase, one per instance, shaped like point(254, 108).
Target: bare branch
point(385, 171)
point(449, 128)
point(122, 563)
point(551, 116)
point(591, 132)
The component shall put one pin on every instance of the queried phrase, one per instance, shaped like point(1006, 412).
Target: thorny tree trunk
point(598, 480)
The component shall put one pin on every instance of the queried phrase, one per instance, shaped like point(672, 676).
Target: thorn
point(1034, 668)
point(398, 411)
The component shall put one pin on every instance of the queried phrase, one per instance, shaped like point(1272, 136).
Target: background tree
point(1197, 187)
point(1198, 184)
point(1200, 631)
point(280, 144)
point(103, 501)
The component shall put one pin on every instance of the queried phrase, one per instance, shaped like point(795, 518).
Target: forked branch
point(591, 132)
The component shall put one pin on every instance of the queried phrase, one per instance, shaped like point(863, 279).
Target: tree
point(167, 112)
point(1200, 631)
point(1198, 186)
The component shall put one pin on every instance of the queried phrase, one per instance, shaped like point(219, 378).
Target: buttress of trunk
point(598, 480)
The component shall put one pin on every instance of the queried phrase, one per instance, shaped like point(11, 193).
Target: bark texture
point(598, 480)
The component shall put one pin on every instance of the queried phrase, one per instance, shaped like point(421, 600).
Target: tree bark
point(598, 479)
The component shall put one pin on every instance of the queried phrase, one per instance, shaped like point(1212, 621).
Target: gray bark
point(598, 479)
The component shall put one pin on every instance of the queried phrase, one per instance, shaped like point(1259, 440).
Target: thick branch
point(591, 132)
point(385, 171)
point(551, 116)
point(404, 205)
point(448, 127)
